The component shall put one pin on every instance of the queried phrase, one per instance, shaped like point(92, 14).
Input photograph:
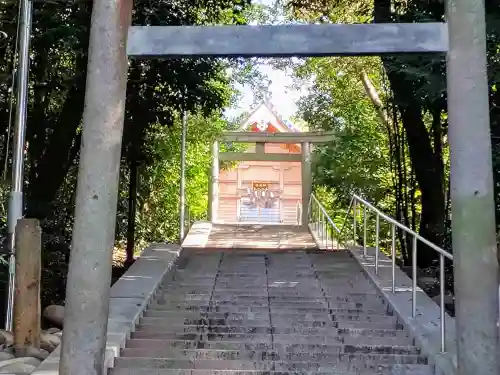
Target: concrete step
point(274, 300)
point(276, 309)
point(412, 370)
point(340, 317)
point(254, 302)
point(221, 298)
point(155, 330)
point(275, 293)
point(336, 336)
point(265, 312)
point(385, 322)
point(256, 309)
point(137, 341)
point(241, 300)
point(340, 370)
point(300, 352)
point(309, 338)
point(335, 314)
point(148, 371)
point(168, 315)
point(319, 362)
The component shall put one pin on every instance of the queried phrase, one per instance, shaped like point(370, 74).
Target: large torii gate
point(474, 242)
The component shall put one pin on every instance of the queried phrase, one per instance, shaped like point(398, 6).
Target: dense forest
point(389, 115)
point(158, 92)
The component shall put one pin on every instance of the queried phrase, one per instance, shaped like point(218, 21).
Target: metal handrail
point(324, 225)
point(187, 221)
point(389, 219)
point(298, 210)
point(357, 200)
point(346, 216)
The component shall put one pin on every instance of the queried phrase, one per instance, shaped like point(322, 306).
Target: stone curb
point(197, 237)
point(129, 297)
point(425, 328)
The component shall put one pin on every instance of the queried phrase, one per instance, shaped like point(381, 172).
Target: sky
point(283, 96)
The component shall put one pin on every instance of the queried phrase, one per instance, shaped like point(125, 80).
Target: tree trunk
point(372, 93)
point(428, 172)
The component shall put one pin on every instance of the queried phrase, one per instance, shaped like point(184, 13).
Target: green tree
point(157, 91)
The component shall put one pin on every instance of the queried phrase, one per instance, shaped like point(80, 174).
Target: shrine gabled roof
point(264, 114)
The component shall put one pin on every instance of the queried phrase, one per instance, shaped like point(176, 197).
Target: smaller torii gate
point(303, 138)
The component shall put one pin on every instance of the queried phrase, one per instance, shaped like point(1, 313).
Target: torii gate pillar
point(472, 200)
point(306, 182)
point(213, 190)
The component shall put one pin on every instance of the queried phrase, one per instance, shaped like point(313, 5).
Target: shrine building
point(267, 192)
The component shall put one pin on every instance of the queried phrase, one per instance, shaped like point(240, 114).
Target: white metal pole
point(15, 207)
point(182, 195)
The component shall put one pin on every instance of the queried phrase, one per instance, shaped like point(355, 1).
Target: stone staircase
point(245, 313)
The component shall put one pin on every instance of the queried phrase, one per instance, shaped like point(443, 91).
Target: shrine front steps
point(279, 313)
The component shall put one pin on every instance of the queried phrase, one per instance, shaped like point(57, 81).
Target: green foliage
point(358, 161)
point(387, 113)
point(157, 91)
point(158, 213)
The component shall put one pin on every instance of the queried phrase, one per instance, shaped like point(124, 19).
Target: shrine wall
point(236, 183)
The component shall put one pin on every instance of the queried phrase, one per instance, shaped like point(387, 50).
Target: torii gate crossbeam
point(474, 242)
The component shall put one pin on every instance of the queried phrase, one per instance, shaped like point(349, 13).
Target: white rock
point(46, 346)
point(50, 339)
point(55, 314)
point(52, 330)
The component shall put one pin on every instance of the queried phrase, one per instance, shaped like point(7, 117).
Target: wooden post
point(27, 293)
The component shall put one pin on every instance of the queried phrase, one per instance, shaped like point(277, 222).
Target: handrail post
point(393, 253)
point(354, 209)
point(318, 211)
point(339, 238)
point(323, 227)
point(377, 242)
point(325, 231)
point(414, 278)
point(182, 182)
point(441, 299)
point(364, 231)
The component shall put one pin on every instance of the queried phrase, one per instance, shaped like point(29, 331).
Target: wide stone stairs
point(295, 312)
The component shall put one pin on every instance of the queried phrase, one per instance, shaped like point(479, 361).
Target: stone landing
point(254, 237)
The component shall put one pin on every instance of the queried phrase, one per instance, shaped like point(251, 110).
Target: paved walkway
point(269, 237)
